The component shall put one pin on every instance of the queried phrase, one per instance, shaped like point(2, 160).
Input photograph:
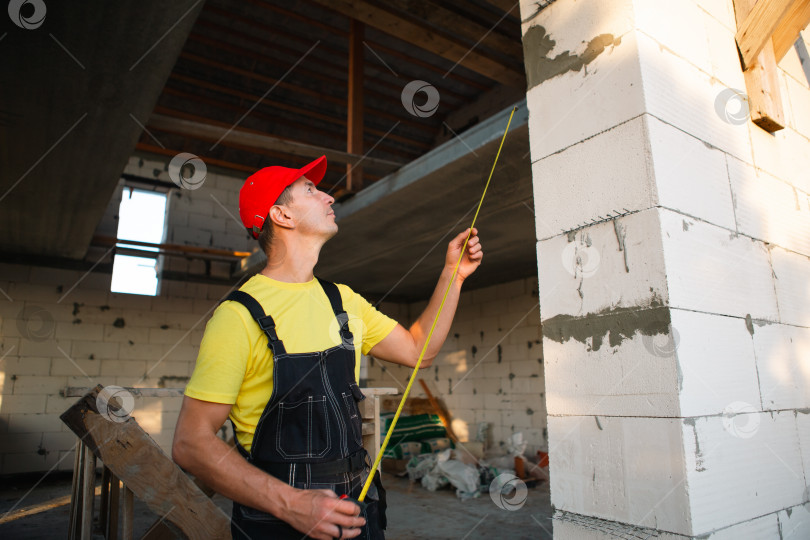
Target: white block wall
point(489, 370)
point(683, 326)
point(61, 328)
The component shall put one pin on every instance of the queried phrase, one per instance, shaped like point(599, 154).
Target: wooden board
point(761, 82)
point(129, 452)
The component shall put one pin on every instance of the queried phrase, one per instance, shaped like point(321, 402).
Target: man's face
point(312, 209)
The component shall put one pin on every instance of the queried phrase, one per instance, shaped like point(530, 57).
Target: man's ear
point(281, 216)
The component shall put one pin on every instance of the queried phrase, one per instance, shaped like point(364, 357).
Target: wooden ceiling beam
point(395, 89)
point(403, 118)
point(448, 21)
point(217, 131)
point(354, 113)
point(429, 40)
point(293, 108)
point(337, 135)
point(788, 30)
point(509, 6)
point(466, 81)
point(758, 27)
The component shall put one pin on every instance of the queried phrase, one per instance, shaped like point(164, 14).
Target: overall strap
point(333, 293)
point(266, 322)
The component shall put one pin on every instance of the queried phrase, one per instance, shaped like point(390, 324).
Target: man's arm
point(403, 346)
point(198, 450)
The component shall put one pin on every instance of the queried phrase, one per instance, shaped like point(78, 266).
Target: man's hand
point(320, 514)
point(472, 256)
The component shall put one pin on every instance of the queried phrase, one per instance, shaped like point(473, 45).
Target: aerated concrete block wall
point(490, 368)
point(673, 263)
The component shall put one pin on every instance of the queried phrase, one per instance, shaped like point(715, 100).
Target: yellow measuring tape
point(435, 321)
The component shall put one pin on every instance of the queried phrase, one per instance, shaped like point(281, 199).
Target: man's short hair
point(267, 232)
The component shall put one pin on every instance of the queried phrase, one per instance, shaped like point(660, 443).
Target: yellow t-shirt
point(235, 365)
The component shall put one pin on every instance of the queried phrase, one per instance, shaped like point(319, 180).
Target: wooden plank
point(215, 131)
point(88, 473)
point(354, 125)
point(761, 82)
point(112, 521)
point(76, 492)
point(757, 27)
point(128, 518)
point(79, 391)
point(788, 30)
point(428, 40)
point(444, 416)
point(136, 459)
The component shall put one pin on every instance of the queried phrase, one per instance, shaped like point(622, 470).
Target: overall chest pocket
point(303, 428)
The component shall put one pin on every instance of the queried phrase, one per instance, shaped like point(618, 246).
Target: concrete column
point(673, 243)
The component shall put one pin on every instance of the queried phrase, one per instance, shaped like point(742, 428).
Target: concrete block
point(760, 528)
point(721, 10)
point(141, 351)
point(690, 176)
point(791, 64)
point(113, 334)
point(24, 403)
point(33, 423)
point(173, 305)
point(716, 364)
point(794, 523)
point(680, 94)
point(120, 368)
point(630, 374)
point(769, 209)
point(75, 367)
point(714, 271)
point(94, 350)
point(740, 466)
point(603, 93)
point(781, 355)
point(723, 56)
point(604, 175)
point(677, 26)
point(130, 301)
point(621, 469)
point(24, 463)
point(791, 272)
point(29, 365)
point(20, 443)
point(783, 154)
point(56, 404)
point(616, 264)
point(40, 385)
point(798, 97)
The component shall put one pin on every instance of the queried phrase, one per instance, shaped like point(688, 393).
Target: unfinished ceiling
point(243, 85)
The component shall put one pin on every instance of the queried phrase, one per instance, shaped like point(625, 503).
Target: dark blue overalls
point(310, 432)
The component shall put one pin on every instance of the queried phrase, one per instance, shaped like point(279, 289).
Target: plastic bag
point(465, 478)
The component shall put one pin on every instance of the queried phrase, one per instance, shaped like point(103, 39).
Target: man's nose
point(329, 199)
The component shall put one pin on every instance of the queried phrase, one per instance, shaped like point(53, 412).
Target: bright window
point(142, 218)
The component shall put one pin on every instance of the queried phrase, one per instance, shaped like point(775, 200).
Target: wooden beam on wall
point(428, 40)
point(761, 77)
point(788, 30)
point(354, 126)
point(755, 29)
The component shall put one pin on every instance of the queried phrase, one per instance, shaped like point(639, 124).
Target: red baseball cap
point(262, 189)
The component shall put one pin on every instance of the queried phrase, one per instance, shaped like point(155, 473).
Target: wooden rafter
point(424, 38)
point(354, 121)
point(761, 76)
point(758, 25)
point(785, 35)
point(252, 139)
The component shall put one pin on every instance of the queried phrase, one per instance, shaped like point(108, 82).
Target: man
point(281, 358)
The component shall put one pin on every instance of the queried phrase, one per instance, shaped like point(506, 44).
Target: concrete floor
point(413, 512)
